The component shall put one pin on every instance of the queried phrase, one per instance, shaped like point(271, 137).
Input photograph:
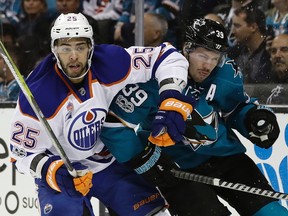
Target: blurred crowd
point(258, 33)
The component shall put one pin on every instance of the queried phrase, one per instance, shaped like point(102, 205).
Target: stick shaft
point(28, 94)
point(234, 186)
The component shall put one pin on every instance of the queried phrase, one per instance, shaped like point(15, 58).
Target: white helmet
point(72, 25)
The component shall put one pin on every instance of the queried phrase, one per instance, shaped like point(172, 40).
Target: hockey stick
point(28, 94)
point(234, 186)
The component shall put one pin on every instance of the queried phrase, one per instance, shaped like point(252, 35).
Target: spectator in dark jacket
point(249, 28)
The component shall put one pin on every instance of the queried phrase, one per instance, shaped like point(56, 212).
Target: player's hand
point(154, 166)
point(58, 178)
point(169, 123)
point(262, 126)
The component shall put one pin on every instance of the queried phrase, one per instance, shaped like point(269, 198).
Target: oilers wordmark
point(85, 129)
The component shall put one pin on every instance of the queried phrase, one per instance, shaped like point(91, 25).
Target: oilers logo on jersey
point(85, 128)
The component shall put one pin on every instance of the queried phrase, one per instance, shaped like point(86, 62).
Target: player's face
point(73, 55)
point(201, 63)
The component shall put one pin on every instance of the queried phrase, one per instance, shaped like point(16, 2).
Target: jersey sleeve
point(236, 119)
point(135, 103)
point(139, 65)
point(159, 63)
point(231, 98)
point(27, 135)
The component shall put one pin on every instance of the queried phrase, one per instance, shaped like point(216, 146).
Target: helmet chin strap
point(75, 78)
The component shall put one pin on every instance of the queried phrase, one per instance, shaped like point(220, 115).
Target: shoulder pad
point(110, 63)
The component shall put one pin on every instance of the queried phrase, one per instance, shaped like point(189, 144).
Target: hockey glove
point(169, 123)
point(58, 178)
point(262, 126)
point(154, 166)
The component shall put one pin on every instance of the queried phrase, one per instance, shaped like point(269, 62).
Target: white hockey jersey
point(76, 115)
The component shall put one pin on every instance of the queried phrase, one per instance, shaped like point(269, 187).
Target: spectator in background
point(249, 28)
point(192, 9)
point(9, 88)
point(105, 13)
point(7, 32)
point(155, 29)
point(279, 58)
point(31, 36)
point(277, 16)
point(226, 12)
point(235, 4)
point(168, 9)
point(67, 6)
point(215, 17)
point(9, 10)
point(276, 20)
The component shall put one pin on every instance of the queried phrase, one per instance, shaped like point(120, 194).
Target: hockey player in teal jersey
point(210, 148)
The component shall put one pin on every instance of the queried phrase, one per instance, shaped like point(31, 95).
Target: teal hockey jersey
point(222, 104)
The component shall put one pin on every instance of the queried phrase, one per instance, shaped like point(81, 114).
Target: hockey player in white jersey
point(74, 87)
